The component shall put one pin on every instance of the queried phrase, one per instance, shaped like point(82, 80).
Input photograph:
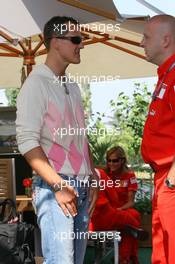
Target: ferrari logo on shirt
point(133, 180)
point(152, 112)
point(162, 91)
point(124, 183)
point(161, 94)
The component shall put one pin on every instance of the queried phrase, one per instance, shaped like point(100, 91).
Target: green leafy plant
point(129, 117)
point(11, 94)
point(100, 142)
point(144, 206)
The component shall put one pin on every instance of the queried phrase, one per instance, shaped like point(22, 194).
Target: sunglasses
point(74, 39)
point(114, 160)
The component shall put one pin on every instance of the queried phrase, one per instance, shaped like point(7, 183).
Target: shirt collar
point(163, 68)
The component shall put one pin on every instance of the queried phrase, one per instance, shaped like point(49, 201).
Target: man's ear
point(166, 40)
point(54, 43)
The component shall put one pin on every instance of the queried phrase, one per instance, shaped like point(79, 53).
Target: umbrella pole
point(29, 68)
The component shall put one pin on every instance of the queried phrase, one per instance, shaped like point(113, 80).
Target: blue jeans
point(63, 238)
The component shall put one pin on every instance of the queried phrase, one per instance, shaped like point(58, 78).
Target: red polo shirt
point(116, 194)
point(158, 143)
point(113, 196)
point(127, 183)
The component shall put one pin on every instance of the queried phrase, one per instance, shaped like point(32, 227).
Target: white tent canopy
point(117, 55)
point(107, 60)
point(130, 8)
point(24, 18)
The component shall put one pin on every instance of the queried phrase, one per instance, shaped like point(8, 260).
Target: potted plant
point(27, 183)
point(144, 206)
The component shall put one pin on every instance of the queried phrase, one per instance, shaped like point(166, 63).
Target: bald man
point(158, 144)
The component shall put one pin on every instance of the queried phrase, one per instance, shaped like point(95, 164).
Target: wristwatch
point(56, 187)
point(169, 184)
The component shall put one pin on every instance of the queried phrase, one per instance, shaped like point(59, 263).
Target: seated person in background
point(114, 208)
